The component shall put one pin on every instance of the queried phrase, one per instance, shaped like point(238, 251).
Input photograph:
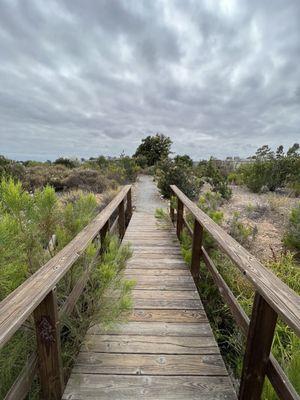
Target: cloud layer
point(82, 78)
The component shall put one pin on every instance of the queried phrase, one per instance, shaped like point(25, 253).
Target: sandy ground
point(268, 212)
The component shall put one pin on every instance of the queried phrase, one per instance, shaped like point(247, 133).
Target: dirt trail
point(146, 196)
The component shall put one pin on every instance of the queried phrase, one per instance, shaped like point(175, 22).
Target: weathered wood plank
point(156, 315)
point(150, 344)
point(165, 294)
point(169, 304)
point(143, 364)
point(156, 329)
point(108, 387)
point(168, 283)
point(160, 272)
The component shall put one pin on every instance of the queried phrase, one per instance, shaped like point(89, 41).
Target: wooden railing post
point(103, 233)
point(128, 207)
point(258, 347)
point(196, 249)
point(48, 348)
point(121, 220)
point(179, 217)
point(172, 213)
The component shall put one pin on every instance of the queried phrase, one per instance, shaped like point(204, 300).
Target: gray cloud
point(86, 78)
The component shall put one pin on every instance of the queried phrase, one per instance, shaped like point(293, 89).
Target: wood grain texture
point(166, 350)
point(150, 344)
point(150, 364)
point(108, 387)
point(157, 315)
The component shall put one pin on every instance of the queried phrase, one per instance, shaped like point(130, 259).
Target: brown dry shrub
point(88, 180)
point(41, 175)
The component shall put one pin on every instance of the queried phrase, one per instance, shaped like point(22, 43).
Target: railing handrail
point(20, 304)
point(275, 292)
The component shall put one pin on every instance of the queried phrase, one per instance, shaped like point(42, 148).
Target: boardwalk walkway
point(166, 350)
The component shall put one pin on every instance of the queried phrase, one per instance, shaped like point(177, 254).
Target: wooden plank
point(155, 328)
point(159, 272)
point(168, 283)
point(19, 305)
point(108, 387)
point(159, 285)
point(48, 348)
point(165, 294)
point(156, 315)
point(259, 341)
point(150, 344)
point(280, 297)
point(143, 364)
point(169, 304)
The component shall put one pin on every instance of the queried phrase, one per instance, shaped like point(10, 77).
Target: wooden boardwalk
point(166, 350)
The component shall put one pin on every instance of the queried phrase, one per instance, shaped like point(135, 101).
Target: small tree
point(154, 148)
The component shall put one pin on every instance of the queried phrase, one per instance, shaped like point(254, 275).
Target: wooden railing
point(272, 299)
point(37, 297)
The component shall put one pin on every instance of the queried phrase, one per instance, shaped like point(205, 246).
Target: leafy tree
point(154, 148)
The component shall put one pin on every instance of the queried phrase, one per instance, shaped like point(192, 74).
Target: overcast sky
point(83, 78)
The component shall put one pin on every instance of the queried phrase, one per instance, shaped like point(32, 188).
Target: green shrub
point(244, 234)
point(170, 173)
point(67, 162)
point(10, 168)
point(271, 170)
point(210, 201)
point(235, 178)
point(292, 236)
point(212, 174)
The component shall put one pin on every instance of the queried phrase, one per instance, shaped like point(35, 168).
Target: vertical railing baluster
point(258, 347)
point(196, 249)
point(49, 348)
point(179, 217)
point(172, 213)
point(103, 233)
point(128, 207)
point(121, 219)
